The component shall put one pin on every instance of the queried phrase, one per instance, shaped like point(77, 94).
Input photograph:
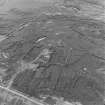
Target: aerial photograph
point(52, 52)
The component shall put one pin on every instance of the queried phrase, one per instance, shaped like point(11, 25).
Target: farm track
point(21, 95)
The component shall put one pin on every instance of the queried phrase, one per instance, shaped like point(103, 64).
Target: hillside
point(55, 54)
